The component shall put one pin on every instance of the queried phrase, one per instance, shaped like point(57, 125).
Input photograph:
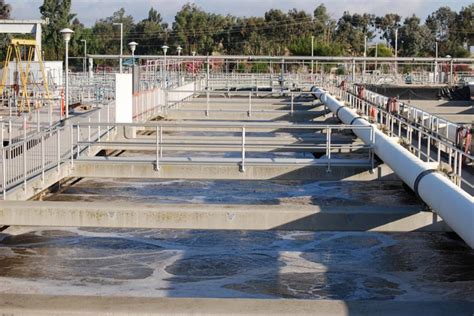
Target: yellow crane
point(15, 50)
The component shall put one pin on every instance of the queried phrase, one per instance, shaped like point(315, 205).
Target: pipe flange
point(337, 111)
point(421, 176)
point(354, 119)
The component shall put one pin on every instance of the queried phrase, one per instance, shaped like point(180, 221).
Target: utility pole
point(396, 50)
point(365, 55)
point(121, 43)
point(436, 62)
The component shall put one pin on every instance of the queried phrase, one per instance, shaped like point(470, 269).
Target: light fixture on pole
point(133, 46)
point(121, 43)
point(85, 55)
point(67, 37)
point(179, 49)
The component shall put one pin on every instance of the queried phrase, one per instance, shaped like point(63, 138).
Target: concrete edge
point(25, 304)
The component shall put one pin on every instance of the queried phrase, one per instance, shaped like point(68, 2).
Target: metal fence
point(422, 139)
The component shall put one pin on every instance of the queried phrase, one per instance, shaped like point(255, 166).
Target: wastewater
point(420, 266)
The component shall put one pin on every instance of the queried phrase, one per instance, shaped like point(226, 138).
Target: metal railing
point(427, 144)
point(50, 148)
point(244, 138)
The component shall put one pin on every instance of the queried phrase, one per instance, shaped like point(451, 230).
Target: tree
point(382, 51)
point(416, 39)
point(193, 29)
point(388, 24)
point(324, 26)
point(5, 10)
point(106, 39)
point(351, 30)
point(150, 33)
point(57, 13)
point(450, 30)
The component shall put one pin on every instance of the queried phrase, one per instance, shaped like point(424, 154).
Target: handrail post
point(242, 165)
point(328, 148)
point(249, 113)
point(3, 164)
point(4, 174)
point(207, 103)
point(89, 136)
point(25, 147)
point(42, 158)
point(158, 147)
point(72, 145)
point(292, 103)
point(58, 135)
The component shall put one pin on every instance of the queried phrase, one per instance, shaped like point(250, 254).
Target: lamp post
point(121, 43)
point(165, 49)
point(133, 46)
point(85, 54)
point(67, 37)
point(179, 49)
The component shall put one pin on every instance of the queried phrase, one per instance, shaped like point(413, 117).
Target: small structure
point(15, 50)
point(24, 27)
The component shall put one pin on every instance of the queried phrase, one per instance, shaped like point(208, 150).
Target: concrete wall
point(123, 98)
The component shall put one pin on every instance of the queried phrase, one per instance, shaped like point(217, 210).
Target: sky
point(88, 11)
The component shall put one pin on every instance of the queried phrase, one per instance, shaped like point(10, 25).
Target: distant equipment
point(23, 51)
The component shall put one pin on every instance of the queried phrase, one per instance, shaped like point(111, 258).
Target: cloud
point(89, 11)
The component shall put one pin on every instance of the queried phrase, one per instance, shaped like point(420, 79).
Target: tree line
point(274, 33)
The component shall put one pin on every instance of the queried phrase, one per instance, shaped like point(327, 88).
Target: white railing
point(47, 149)
point(241, 138)
point(426, 143)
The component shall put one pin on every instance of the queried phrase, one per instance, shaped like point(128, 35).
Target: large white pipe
point(453, 204)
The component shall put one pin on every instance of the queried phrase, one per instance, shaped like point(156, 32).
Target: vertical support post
point(50, 113)
point(161, 141)
point(38, 125)
point(242, 165)
point(89, 136)
point(328, 148)
point(207, 102)
point(428, 149)
point(25, 148)
point(249, 113)
point(98, 127)
point(72, 145)
point(4, 161)
point(353, 70)
point(451, 72)
point(42, 158)
point(208, 71)
point(78, 140)
point(58, 153)
point(292, 103)
point(419, 144)
point(157, 163)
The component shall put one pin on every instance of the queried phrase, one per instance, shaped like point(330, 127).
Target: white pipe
point(453, 204)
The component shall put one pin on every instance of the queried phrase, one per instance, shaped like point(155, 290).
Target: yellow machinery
point(15, 48)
